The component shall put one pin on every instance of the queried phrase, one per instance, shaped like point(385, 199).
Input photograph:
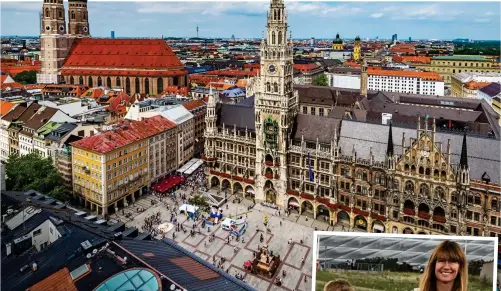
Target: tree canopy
point(26, 77)
point(32, 172)
point(321, 80)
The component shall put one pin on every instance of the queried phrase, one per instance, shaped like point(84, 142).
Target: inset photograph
point(393, 262)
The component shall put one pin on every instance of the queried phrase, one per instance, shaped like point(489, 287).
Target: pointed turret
point(390, 154)
point(463, 171)
point(389, 149)
point(463, 162)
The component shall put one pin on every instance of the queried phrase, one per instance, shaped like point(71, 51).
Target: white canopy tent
point(194, 167)
point(187, 165)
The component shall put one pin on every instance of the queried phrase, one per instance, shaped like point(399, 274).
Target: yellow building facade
point(357, 49)
point(113, 178)
point(447, 66)
point(337, 44)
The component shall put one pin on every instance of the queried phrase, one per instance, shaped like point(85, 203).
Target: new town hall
point(317, 150)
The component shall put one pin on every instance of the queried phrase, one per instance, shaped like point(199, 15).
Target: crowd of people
point(150, 223)
point(196, 181)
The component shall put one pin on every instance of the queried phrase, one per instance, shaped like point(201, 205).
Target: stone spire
point(389, 149)
point(463, 162)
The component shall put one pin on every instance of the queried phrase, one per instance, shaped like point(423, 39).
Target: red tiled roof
point(97, 56)
point(230, 73)
point(5, 106)
point(474, 85)
point(306, 67)
point(127, 132)
point(190, 105)
point(59, 281)
point(431, 76)
point(118, 103)
point(412, 59)
point(13, 85)
point(352, 64)
point(131, 73)
point(179, 90)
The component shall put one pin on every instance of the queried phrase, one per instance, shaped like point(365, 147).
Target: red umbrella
point(247, 263)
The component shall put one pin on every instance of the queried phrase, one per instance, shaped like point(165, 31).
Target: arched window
point(80, 80)
point(147, 86)
point(494, 204)
point(99, 81)
point(127, 85)
point(275, 15)
point(454, 197)
point(108, 82)
point(85, 16)
point(439, 193)
point(268, 87)
point(137, 87)
point(364, 176)
point(72, 80)
point(160, 85)
point(409, 186)
point(424, 190)
point(279, 14)
point(275, 87)
point(72, 14)
point(47, 13)
point(279, 37)
point(119, 82)
point(272, 37)
point(59, 13)
point(91, 84)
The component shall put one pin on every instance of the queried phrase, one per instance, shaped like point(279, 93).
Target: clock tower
point(276, 106)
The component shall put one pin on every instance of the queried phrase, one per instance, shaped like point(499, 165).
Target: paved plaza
point(283, 228)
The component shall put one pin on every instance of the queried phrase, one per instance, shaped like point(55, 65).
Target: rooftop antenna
point(197, 31)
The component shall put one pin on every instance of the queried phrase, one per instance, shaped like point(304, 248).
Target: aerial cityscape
point(203, 155)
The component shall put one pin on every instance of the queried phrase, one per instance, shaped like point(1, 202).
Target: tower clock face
point(47, 27)
point(61, 28)
point(85, 29)
point(272, 68)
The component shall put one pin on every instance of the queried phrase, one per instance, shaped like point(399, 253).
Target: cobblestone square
point(294, 228)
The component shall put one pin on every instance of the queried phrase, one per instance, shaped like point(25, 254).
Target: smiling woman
point(447, 269)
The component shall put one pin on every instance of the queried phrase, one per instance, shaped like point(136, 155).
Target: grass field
point(387, 281)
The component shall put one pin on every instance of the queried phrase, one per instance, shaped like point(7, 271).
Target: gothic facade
point(70, 55)
point(272, 153)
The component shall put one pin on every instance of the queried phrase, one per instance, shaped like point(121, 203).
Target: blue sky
point(419, 20)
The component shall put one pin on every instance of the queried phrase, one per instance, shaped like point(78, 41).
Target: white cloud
point(247, 8)
point(377, 15)
point(25, 6)
point(482, 20)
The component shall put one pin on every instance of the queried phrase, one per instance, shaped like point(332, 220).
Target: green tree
point(321, 80)
point(26, 77)
point(199, 200)
point(32, 172)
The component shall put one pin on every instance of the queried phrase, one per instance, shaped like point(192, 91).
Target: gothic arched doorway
point(378, 227)
point(323, 213)
point(271, 196)
point(307, 208)
point(293, 204)
point(408, 231)
point(361, 222)
point(214, 182)
point(238, 189)
point(249, 192)
point(343, 218)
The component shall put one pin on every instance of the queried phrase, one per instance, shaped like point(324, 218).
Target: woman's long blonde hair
point(446, 251)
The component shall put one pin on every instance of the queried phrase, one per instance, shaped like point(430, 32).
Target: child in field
point(338, 285)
